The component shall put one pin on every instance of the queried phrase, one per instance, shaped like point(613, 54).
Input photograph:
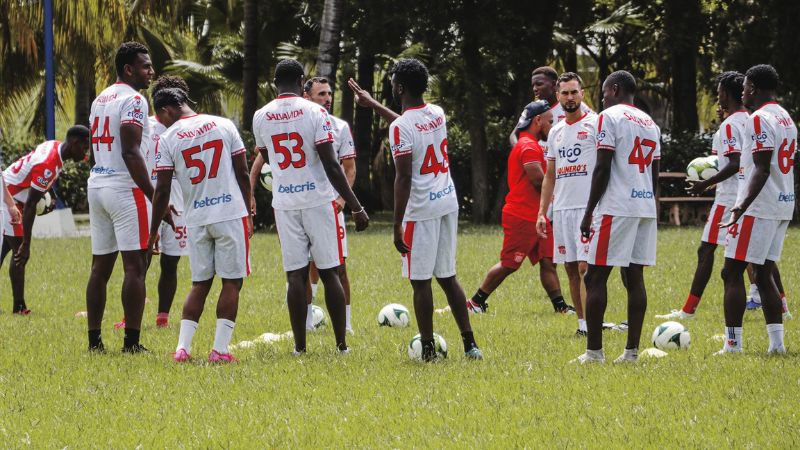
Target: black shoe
point(429, 352)
point(581, 333)
point(135, 348)
point(99, 348)
point(563, 308)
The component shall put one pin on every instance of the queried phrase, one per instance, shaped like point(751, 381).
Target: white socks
point(582, 324)
point(310, 317)
point(223, 336)
point(775, 332)
point(314, 287)
point(754, 294)
point(348, 324)
point(188, 327)
point(733, 339)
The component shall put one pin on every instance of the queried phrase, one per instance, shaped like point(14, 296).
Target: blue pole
point(49, 74)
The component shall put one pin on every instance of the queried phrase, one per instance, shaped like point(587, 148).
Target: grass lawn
point(524, 394)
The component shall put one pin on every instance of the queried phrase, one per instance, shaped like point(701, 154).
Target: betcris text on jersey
point(641, 193)
point(443, 193)
point(296, 188)
point(213, 201)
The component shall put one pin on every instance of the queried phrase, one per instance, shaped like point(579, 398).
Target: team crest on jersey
point(583, 135)
point(137, 103)
point(48, 173)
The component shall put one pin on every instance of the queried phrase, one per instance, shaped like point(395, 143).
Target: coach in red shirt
point(526, 166)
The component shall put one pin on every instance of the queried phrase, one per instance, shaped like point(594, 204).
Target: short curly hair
point(288, 70)
point(170, 97)
point(732, 82)
point(569, 76)
point(763, 76)
point(169, 81)
point(412, 74)
point(126, 54)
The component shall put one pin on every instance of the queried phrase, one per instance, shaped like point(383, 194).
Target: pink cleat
point(119, 325)
point(162, 320)
point(23, 312)
point(181, 356)
point(217, 357)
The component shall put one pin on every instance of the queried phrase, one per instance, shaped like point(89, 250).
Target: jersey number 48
point(431, 163)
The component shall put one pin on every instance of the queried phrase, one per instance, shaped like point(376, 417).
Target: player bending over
point(27, 180)
point(764, 206)
point(207, 157)
point(571, 155)
point(620, 217)
point(296, 137)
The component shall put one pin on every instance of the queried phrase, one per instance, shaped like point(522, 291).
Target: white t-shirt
point(728, 140)
point(152, 158)
point(200, 149)
point(574, 150)
point(770, 129)
point(290, 128)
point(635, 140)
point(117, 105)
point(342, 138)
point(38, 170)
point(422, 133)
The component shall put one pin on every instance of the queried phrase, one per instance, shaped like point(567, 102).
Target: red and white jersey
point(290, 128)
point(728, 140)
point(422, 133)
point(342, 138)
point(770, 129)
point(38, 170)
point(200, 149)
point(150, 144)
point(573, 148)
point(635, 140)
point(119, 104)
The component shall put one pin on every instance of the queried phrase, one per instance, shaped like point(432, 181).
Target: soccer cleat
point(119, 325)
point(181, 356)
point(217, 357)
point(627, 357)
point(162, 320)
point(475, 307)
point(135, 348)
point(728, 351)
point(678, 314)
point(563, 308)
point(298, 352)
point(581, 333)
point(345, 351)
point(474, 353)
point(752, 305)
point(588, 358)
point(22, 311)
point(777, 351)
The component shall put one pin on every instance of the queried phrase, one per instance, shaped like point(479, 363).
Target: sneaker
point(564, 308)
point(622, 327)
point(345, 351)
point(581, 333)
point(678, 314)
point(752, 304)
point(135, 348)
point(587, 358)
point(217, 357)
point(119, 325)
point(777, 350)
point(298, 352)
point(181, 356)
point(162, 320)
point(609, 325)
point(475, 307)
point(23, 311)
point(728, 351)
point(474, 353)
point(627, 357)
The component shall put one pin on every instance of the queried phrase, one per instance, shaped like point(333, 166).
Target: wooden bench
point(679, 211)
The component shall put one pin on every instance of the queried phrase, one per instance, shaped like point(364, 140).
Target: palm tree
point(330, 34)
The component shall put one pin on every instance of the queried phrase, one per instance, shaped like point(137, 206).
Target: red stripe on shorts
point(744, 237)
point(338, 233)
point(603, 239)
point(408, 238)
point(713, 228)
point(141, 213)
point(246, 244)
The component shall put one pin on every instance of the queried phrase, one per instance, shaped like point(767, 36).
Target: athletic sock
point(691, 304)
point(188, 327)
point(480, 297)
point(310, 317)
point(469, 340)
point(775, 332)
point(754, 294)
point(733, 338)
point(131, 337)
point(314, 287)
point(95, 340)
point(582, 324)
point(348, 324)
point(223, 335)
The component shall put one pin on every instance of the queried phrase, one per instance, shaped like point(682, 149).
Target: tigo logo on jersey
point(760, 138)
point(571, 154)
point(443, 193)
point(296, 188)
point(213, 201)
point(730, 142)
point(641, 193)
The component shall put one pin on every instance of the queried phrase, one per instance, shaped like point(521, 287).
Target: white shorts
point(342, 236)
point(622, 241)
point(570, 246)
point(433, 247)
point(712, 233)
point(316, 230)
point(174, 243)
point(221, 248)
point(119, 220)
point(755, 240)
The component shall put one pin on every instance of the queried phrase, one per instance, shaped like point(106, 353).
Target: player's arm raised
point(402, 190)
point(130, 136)
point(548, 185)
point(761, 160)
point(364, 99)
point(243, 180)
point(335, 174)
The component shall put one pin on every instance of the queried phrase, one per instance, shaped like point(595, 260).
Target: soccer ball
point(43, 203)
point(415, 347)
point(671, 335)
point(702, 168)
point(394, 315)
point(318, 316)
point(266, 177)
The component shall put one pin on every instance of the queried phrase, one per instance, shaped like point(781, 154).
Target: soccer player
point(119, 193)
point(526, 168)
point(318, 90)
point(727, 145)
point(296, 137)
point(172, 243)
point(207, 157)
point(764, 206)
point(425, 205)
point(27, 181)
point(620, 216)
point(571, 155)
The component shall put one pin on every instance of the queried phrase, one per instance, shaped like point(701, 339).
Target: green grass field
point(524, 394)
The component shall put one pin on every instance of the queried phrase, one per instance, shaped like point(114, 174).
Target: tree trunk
point(329, 36)
point(362, 129)
point(476, 114)
point(250, 64)
point(683, 20)
point(85, 85)
point(348, 99)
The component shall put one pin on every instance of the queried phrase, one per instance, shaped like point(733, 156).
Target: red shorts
point(13, 230)
point(520, 240)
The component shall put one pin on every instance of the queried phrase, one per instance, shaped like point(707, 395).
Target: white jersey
point(574, 151)
point(635, 140)
point(119, 104)
point(152, 157)
point(200, 149)
point(422, 133)
point(36, 170)
point(728, 140)
point(290, 128)
point(770, 129)
point(342, 139)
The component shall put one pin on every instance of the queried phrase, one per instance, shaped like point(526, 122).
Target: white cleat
point(627, 357)
point(676, 314)
point(590, 357)
point(777, 350)
point(728, 351)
